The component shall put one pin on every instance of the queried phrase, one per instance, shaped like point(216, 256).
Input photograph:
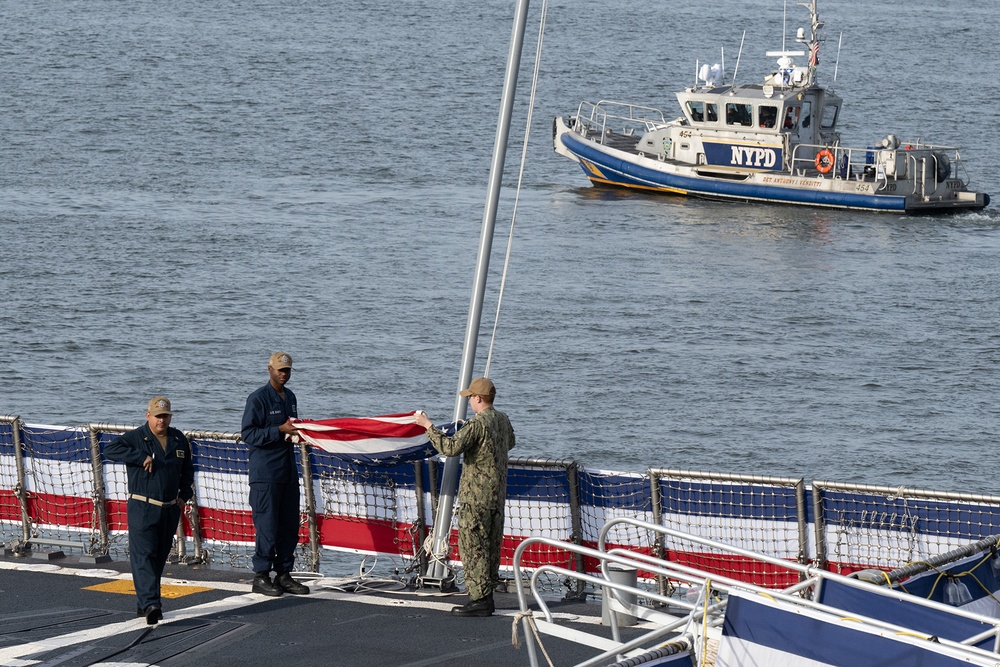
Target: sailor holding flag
point(484, 443)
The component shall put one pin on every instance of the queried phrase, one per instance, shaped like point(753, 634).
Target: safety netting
point(56, 488)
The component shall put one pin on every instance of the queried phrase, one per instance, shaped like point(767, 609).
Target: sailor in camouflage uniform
point(484, 442)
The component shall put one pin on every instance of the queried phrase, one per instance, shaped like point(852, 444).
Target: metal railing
point(608, 117)
point(845, 515)
point(924, 165)
point(635, 601)
point(854, 527)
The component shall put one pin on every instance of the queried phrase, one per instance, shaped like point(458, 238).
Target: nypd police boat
point(774, 141)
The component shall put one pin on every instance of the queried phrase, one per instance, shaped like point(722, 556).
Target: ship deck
point(66, 612)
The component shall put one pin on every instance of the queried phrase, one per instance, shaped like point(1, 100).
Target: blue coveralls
point(274, 479)
point(151, 527)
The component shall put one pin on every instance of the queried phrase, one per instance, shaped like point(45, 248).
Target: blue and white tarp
point(905, 613)
point(978, 576)
point(760, 631)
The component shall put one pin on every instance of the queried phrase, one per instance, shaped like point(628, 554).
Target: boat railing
point(925, 165)
point(691, 613)
point(960, 172)
point(607, 118)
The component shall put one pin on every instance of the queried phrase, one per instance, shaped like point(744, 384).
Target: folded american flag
point(384, 440)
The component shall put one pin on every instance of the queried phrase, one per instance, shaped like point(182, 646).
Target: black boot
point(481, 607)
point(153, 614)
point(289, 585)
point(262, 584)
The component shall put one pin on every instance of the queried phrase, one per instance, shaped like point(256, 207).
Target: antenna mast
point(784, 21)
point(738, 57)
point(813, 42)
point(836, 67)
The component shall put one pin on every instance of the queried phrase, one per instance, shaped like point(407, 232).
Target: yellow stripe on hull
point(604, 181)
point(592, 168)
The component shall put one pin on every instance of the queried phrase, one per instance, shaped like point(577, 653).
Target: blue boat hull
point(601, 166)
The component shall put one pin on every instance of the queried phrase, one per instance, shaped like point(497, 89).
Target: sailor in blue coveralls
point(160, 479)
point(274, 480)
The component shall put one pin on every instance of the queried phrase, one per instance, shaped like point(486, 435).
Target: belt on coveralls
point(153, 501)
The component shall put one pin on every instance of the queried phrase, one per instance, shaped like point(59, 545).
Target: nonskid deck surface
point(67, 613)
point(622, 142)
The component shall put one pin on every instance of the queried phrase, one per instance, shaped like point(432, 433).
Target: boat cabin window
point(767, 116)
point(829, 116)
point(792, 117)
point(739, 113)
point(807, 108)
point(700, 111)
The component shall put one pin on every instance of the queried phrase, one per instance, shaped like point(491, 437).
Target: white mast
point(442, 521)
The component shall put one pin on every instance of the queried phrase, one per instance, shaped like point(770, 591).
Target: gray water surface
point(186, 187)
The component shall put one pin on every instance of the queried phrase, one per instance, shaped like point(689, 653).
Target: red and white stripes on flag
point(372, 440)
point(814, 55)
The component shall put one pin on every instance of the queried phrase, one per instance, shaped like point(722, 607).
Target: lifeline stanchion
point(307, 486)
point(99, 494)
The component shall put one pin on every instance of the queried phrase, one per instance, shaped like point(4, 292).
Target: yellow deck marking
point(125, 586)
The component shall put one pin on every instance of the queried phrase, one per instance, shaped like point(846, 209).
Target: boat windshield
point(792, 117)
point(768, 116)
point(829, 116)
point(739, 113)
point(700, 111)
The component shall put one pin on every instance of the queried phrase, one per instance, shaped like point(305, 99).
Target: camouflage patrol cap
point(480, 387)
point(280, 360)
point(159, 405)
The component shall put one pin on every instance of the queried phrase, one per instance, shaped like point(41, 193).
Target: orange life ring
point(824, 161)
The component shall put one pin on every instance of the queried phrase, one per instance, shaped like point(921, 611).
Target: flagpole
point(436, 569)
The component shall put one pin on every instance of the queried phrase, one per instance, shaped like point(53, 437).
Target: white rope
point(440, 559)
point(516, 640)
point(520, 178)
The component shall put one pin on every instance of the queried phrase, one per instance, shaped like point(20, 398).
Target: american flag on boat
point(383, 440)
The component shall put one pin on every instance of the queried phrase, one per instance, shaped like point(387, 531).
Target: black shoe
point(262, 584)
point(481, 607)
point(153, 614)
point(289, 585)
